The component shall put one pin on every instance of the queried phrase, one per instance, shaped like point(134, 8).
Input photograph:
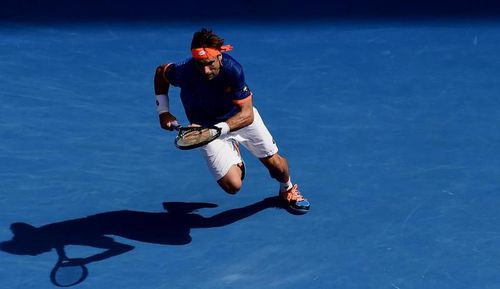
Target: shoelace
point(294, 194)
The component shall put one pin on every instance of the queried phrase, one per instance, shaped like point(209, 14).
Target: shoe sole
point(294, 210)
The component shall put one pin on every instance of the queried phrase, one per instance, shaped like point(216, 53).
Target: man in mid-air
point(214, 93)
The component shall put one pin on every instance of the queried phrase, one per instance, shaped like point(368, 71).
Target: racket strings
point(196, 136)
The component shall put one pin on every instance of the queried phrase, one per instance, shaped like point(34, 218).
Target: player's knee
point(231, 183)
point(230, 186)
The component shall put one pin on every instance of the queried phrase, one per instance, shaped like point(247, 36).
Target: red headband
point(209, 52)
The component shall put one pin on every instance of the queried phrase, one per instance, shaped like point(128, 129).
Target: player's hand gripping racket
point(68, 272)
point(195, 136)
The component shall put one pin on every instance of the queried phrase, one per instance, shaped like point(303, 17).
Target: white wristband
point(224, 128)
point(162, 103)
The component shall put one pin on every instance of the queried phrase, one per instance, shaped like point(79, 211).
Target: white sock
point(286, 186)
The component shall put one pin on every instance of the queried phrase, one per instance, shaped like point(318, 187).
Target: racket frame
point(184, 130)
point(60, 263)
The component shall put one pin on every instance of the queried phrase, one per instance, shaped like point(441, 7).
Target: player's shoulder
point(231, 65)
point(183, 65)
point(181, 70)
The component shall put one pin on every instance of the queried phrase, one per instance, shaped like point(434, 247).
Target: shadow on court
point(166, 228)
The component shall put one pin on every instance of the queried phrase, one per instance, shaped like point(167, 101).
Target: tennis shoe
point(295, 201)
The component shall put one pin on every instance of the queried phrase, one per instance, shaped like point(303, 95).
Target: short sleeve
point(171, 75)
point(239, 90)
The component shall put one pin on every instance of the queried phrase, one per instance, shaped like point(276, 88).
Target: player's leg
point(225, 163)
point(278, 169)
point(259, 141)
point(231, 182)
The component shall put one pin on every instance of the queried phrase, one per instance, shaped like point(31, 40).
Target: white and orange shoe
point(295, 201)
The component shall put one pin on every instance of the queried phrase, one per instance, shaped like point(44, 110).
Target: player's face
point(209, 67)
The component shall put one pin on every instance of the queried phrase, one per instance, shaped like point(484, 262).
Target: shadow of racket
point(68, 272)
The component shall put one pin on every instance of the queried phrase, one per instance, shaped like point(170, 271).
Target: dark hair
point(206, 38)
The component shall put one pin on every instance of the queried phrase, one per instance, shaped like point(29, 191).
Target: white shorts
point(221, 153)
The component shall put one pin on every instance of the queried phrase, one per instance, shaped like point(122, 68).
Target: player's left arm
point(244, 117)
point(242, 99)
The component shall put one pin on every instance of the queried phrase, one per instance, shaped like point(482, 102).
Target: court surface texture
point(391, 130)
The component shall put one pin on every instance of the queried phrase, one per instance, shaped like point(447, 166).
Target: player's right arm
point(161, 86)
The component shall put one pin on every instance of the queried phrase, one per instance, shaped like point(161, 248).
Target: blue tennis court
point(391, 130)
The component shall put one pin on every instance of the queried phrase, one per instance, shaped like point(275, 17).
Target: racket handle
point(175, 125)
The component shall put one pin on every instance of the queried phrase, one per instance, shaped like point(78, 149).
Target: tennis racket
point(68, 272)
point(195, 136)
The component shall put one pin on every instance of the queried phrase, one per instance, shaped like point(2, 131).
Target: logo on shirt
point(245, 88)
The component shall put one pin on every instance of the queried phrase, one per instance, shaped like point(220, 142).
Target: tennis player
point(213, 92)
